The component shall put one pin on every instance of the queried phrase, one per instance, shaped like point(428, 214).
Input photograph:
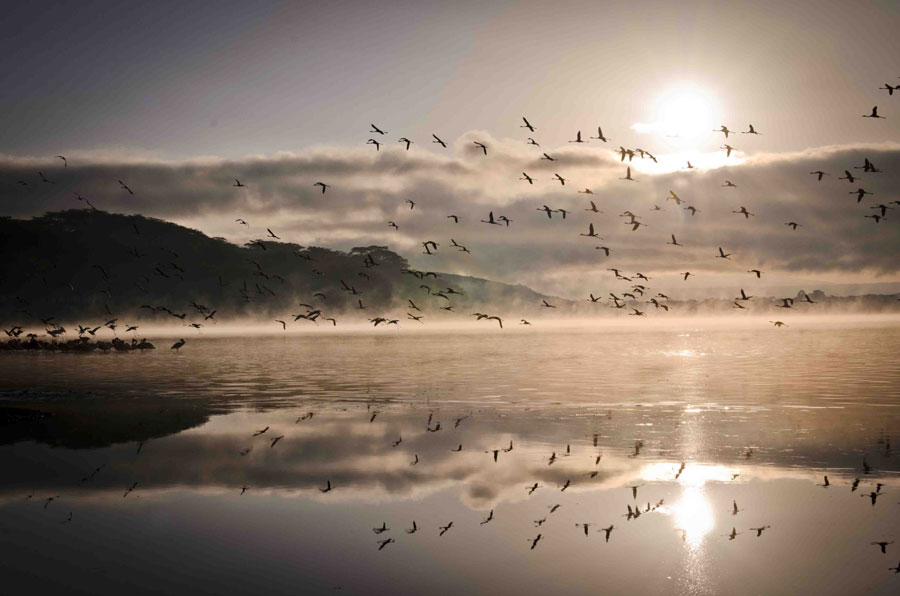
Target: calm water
point(752, 416)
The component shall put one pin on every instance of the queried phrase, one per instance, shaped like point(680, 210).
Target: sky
point(178, 99)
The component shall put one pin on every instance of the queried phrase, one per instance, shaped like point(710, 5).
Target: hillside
point(83, 265)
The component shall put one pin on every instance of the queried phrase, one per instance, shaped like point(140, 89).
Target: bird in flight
point(860, 194)
point(600, 136)
point(883, 546)
point(752, 131)
point(482, 146)
point(874, 114)
point(723, 129)
point(323, 185)
point(490, 219)
point(527, 124)
point(577, 138)
point(527, 177)
point(849, 177)
point(375, 129)
point(125, 186)
point(385, 542)
point(722, 254)
point(628, 175)
point(64, 160)
point(237, 183)
point(405, 140)
point(439, 141)
point(820, 173)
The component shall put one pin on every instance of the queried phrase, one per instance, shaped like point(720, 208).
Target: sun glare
point(693, 515)
point(685, 115)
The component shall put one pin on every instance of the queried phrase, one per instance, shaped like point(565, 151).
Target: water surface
point(697, 418)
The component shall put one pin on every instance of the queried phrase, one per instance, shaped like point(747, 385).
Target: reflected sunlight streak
point(693, 515)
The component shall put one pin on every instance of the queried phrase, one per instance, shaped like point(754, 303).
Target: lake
point(704, 446)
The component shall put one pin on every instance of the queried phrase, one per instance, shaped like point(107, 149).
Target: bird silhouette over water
point(608, 530)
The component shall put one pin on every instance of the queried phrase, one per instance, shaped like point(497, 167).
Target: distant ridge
point(91, 265)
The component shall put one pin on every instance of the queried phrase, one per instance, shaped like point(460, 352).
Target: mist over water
point(756, 415)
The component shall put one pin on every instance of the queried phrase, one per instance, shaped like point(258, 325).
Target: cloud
point(370, 187)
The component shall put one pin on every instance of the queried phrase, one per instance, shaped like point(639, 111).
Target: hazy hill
point(83, 265)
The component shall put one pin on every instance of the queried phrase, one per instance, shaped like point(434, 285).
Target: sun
point(684, 115)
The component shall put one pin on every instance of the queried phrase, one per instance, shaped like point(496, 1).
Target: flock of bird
point(636, 298)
